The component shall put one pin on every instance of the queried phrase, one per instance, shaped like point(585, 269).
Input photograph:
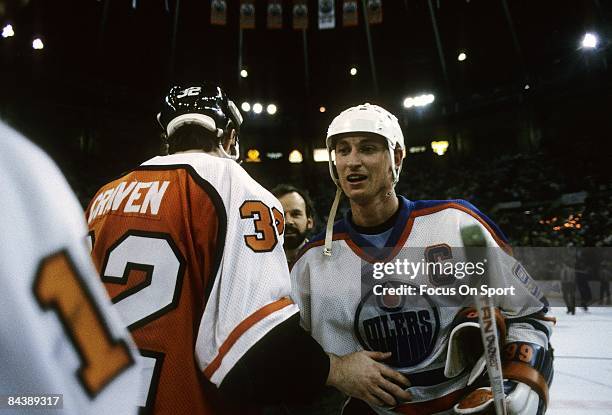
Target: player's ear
point(309, 223)
point(399, 156)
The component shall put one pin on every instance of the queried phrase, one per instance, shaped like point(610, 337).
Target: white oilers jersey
point(346, 309)
point(58, 333)
point(216, 236)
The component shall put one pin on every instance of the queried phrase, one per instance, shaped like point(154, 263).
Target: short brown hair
point(283, 189)
point(192, 137)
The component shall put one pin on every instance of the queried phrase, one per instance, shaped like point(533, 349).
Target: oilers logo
point(405, 325)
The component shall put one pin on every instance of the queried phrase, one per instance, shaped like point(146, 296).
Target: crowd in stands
point(537, 181)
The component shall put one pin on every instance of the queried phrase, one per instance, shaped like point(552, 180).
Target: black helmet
point(203, 104)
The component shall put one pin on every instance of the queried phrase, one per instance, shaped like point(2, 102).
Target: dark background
point(90, 97)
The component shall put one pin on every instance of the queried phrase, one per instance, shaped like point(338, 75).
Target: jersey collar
point(396, 239)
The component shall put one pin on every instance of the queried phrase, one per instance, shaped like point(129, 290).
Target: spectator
point(299, 218)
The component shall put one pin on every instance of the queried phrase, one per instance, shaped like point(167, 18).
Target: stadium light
point(271, 109)
point(7, 31)
point(295, 157)
point(244, 73)
point(321, 155)
point(253, 156)
point(353, 71)
point(417, 149)
point(419, 101)
point(590, 41)
point(257, 108)
point(462, 56)
point(439, 147)
point(274, 155)
point(246, 107)
point(38, 44)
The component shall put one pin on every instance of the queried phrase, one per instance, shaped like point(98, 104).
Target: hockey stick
point(473, 237)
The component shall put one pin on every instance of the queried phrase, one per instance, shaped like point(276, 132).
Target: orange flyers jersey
point(189, 247)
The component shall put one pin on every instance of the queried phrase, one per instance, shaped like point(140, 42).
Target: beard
point(295, 239)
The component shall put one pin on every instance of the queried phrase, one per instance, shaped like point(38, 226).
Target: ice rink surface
point(583, 362)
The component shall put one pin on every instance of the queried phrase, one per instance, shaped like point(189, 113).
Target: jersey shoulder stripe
point(427, 207)
point(340, 233)
point(339, 229)
point(342, 226)
point(246, 324)
point(410, 210)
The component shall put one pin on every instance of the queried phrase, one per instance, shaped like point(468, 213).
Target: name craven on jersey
point(189, 247)
point(139, 197)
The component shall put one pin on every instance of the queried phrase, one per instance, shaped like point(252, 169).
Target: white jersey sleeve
point(300, 291)
point(59, 333)
point(251, 293)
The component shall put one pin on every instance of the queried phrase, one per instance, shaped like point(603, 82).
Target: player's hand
point(362, 376)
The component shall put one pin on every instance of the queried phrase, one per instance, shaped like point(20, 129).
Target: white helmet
point(367, 118)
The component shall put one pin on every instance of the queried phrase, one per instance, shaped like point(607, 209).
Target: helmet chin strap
point(329, 229)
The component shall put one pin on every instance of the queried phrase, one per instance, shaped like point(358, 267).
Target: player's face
point(364, 167)
point(297, 224)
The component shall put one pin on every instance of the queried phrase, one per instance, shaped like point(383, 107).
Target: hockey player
point(190, 248)
point(432, 338)
point(59, 334)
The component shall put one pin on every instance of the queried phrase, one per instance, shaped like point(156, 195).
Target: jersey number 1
point(59, 286)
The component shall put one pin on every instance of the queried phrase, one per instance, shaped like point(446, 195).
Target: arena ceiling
point(115, 58)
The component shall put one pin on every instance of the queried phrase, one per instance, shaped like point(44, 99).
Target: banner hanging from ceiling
point(300, 14)
point(374, 11)
point(247, 14)
point(327, 14)
point(350, 14)
point(275, 14)
point(218, 12)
